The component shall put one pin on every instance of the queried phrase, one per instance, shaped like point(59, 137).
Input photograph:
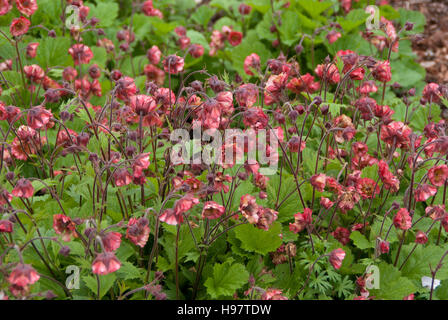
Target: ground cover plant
point(219, 150)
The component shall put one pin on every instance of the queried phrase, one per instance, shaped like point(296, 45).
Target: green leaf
point(106, 12)
point(203, 15)
point(226, 279)
point(54, 52)
point(393, 286)
point(361, 241)
point(129, 271)
point(258, 240)
point(315, 8)
point(106, 282)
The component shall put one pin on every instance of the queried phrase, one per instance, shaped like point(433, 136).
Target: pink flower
point(424, 192)
point(402, 219)
point(80, 53)
point(246, 95)
point(38, 118)
point(438, 175)
point(304, 83)
point(390, 181)
point(23, 189)
point(154, 55)
point(138, 231)
point(235, 38)
point(23, 275)
point(273, 294)
point(65, 226)
point(142, 104)
point(31, 49)
point(5, 7)
point(26, 7)
point(212, 210)
point(19, 26)
point(125, 88)
point(421, 237)
point(301, 220)
point(105, 263)
point(295, 145)
point(318, 181)
point(244, 9)
point(328, 72)
point(122, 177)
point(384, 247)
point(111, 241)
point(431, 92)
point(252, 61)
point(342, 235)
point(367, 188)
point(6, 226)
point(396, 133)
point(332, 36)
point(196, 50)
point(326, 203)
point(249, 208)
point(34, 72)
point(336, 258)
point(266, 216)
point(382, 71)
point(173, 64)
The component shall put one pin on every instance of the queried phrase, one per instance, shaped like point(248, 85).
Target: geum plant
point(123, 181)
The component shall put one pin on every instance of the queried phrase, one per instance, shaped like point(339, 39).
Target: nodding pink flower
point(212, 210)
point(267, 216)
point(6, 225)
point(34, 72)
point(138, 231)
point(274, 87)
point(185, 204)
point(366, 106)
point(8, 112)
point(436, 212)
point(332, 36)
point(396, 134)
point(421, 237)
point(328, 72)
point(382, 71)
point(105, 263)
point(424, 192)
point(181, 31)
point(346, 5)
point(111, 241)
point(183, 42)
point(367, 188)
point(196, 50)
point(336, 258)
point(304, 83)
point(342, 235)
point(169, 216)
point(155, 74)
point(6, 65)
point(295, 145)
point(83, 13)
point(173, 64)
point(326, 203)
point(125, 88)
point(80, 53)
point(23, 189)
point(141, 162)
point(347, 198)
point(438, 175)
point(367, 87)
point(23, 275)
point(318, 181)
point(255, 118)
point(5, 7)
point(390, 181)
point(26, 7)
point(384, 246)
point(19, 26)
point(147, 7)
point(38, 117)
point(431, 92)
point(142, 104)
point(273, 294)
point(244, 9)
point(402, 219)
point(249, 208)
point(301, 220)
point(252, 61)
point(31, 49)
point(122, 177)
point(246, 95)
point(225, 100)
point(154, 55)
point(235, 38)
point(65, 226)
point(69, 74)
point(217, 42)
